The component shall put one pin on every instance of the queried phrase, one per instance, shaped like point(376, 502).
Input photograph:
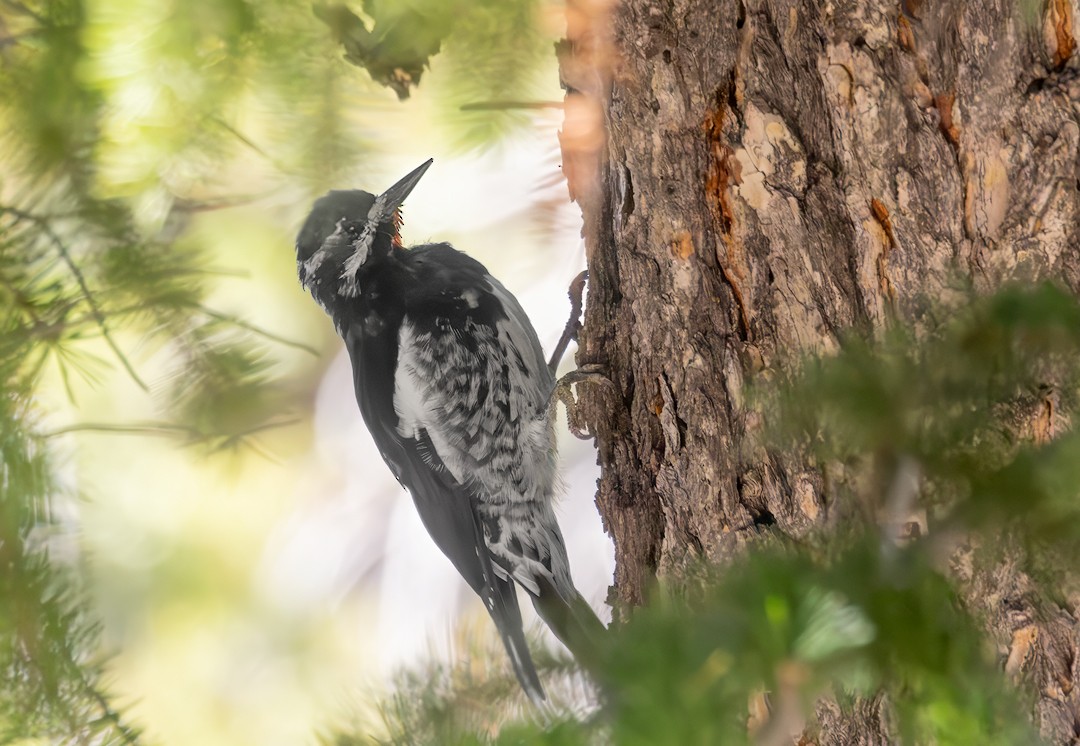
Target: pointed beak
point(395, 195)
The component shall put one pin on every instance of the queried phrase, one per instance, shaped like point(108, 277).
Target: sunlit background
point(263, 592)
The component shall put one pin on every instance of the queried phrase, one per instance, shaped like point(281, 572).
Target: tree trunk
point(775, 172)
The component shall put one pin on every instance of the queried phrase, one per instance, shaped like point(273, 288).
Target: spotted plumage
point(451, 380)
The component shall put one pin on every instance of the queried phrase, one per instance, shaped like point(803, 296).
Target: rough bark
point(776, 171)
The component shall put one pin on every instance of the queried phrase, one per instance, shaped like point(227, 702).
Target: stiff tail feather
point(573, 621)
point(506, 614)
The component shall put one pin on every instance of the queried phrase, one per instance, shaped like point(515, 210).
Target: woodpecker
point(451, 381)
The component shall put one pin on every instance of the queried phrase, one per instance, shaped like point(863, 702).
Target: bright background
point(265, 594)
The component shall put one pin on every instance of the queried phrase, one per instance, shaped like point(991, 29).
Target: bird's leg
point(564, 392)
point(564, 387)
point(573, 324)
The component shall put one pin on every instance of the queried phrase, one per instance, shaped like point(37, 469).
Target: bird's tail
point(573, 621)
point(506, 614)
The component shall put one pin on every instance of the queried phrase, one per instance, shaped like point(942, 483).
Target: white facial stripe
point(362, 245)
point(314, 262)
point(361, 249)
point(375, 214)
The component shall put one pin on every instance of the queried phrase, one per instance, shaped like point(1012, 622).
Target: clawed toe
point(591, 373)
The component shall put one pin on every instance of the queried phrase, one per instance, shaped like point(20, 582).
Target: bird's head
point(348, 227)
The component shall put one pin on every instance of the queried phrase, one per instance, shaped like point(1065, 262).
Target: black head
point(342, 228)
point(328, 211)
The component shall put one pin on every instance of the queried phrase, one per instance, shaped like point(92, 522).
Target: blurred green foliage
point(121, 122)
point(493, 51)
point(50, 675)
point(479, 699)
point(958, 418)
point(973, 403)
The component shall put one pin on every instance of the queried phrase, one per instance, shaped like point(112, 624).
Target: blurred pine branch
point(101, 176)
point(478, 50)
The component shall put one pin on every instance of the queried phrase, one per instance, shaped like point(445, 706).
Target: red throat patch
point(397, 222)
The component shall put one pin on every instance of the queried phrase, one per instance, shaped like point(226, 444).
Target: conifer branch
point(65, 255)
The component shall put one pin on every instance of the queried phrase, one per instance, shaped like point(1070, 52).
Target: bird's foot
point(590, 373)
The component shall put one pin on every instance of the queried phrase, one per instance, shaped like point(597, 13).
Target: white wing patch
point(416, 398)
point(408, 396)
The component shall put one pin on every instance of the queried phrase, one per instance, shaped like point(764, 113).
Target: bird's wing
point(476, 394)
point(518, 329)
point(479, 387)
point(445, 505)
